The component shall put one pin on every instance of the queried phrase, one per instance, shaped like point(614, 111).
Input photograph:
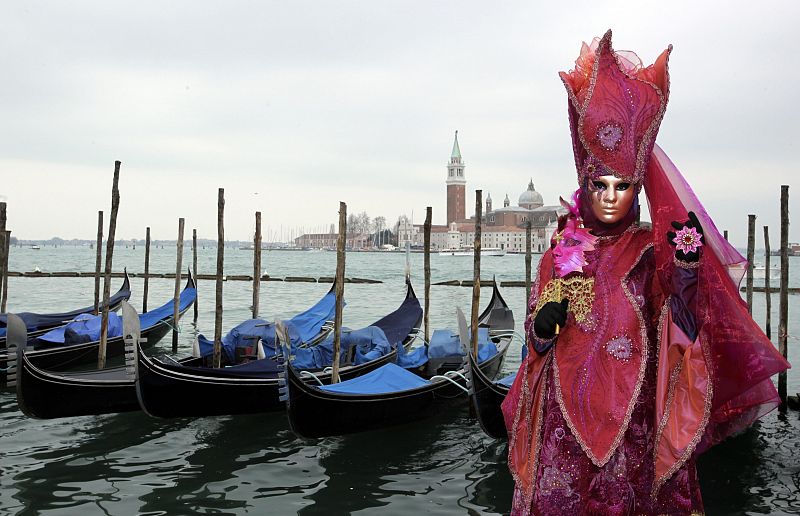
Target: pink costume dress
point(659, 358)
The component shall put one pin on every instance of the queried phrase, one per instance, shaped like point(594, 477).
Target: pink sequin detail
point(619, 348)
point(609, 134)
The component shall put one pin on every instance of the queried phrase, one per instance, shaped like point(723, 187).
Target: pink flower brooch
point(688, 240)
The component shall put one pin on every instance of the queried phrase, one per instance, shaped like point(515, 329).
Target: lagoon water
point(131, 464)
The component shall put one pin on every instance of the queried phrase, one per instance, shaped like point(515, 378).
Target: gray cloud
point(309, 103)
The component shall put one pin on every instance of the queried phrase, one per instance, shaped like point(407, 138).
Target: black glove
point(550, 315)
point(692, 256)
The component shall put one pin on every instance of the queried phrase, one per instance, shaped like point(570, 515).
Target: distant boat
point(759, 271)
point(467, 251)
point(35, 247)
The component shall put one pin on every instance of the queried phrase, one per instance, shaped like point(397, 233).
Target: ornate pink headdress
point(615, 109)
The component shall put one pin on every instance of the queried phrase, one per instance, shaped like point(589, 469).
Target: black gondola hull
point(165, 391)
point(114, 302)
point(47, 395)
point(486, 398)
point(315, 413)
point(66, 357)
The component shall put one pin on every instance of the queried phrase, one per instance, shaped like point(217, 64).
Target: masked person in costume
point(643, 351)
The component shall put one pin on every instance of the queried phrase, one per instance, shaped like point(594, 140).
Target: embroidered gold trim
point(527, 497)
point(578, 289)
point(684, 264)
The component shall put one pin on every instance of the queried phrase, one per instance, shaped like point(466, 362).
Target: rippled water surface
point(129, 463)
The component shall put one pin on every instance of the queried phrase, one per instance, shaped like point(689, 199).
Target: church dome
point(530, 198)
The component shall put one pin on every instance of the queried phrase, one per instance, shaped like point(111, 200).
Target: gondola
point(389, 395)
point(254, 338)
point(39, 324)
point(486, 396)
point(167, 389)
point(43, 393)
point(47, 394)
point(61, 357)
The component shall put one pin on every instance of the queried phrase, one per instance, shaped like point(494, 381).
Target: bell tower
point(456, 185)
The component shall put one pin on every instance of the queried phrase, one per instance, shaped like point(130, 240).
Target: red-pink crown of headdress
point(615, 109)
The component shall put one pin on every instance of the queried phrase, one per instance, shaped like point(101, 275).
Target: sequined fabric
point(616, 107)
point(567, 481)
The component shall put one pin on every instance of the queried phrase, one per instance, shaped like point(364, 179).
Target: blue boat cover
point(370, 343)
point(366, 341)
point(397, 324)
point(507, 380)
point(86, 327)
point(413, 358)
point(34, 321)
point(302, 328)
point(385, 379)
point(242, 335)
point(445, 343)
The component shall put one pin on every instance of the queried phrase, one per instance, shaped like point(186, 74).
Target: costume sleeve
point(683, 302)
point(541, 345)
point(537, 344)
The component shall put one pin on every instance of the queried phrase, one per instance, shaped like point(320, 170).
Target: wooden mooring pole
point(146, 269)
point(528, 244)
point(220, 262)
point(257, 265)
point(4, 292)
point(751, 249)
point(339, 292)
point(476, 274)
point(98, 262)
point(176, 299)
point(767, 290)
point(4, 250)
point(112, 228)
point(783, 306)
point(194, 269)
point(3, 266)
point(426, 242)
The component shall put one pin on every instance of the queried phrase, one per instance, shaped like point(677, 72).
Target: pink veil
point(739, 357)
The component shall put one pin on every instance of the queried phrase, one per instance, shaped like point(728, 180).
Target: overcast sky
point(294, 106)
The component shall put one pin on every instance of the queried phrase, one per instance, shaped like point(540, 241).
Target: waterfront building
point(502, 228)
